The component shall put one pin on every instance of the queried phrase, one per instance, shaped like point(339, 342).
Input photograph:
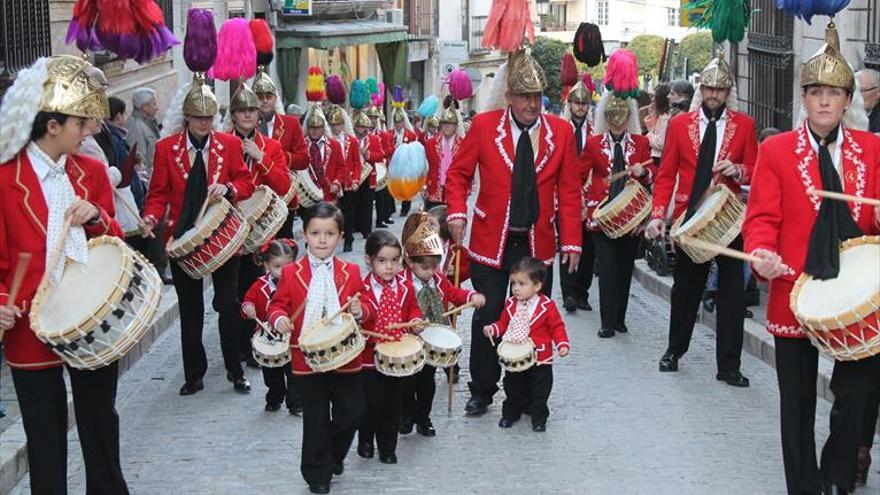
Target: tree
point(648, 49)
point(548, 53)
point(697, 48)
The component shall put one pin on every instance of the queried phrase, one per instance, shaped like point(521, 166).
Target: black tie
point(524, 190)
point(834, 222)
point(578, 136)
point(264, 125)
point(619, 166)
point(196, 189)
point(705, 161)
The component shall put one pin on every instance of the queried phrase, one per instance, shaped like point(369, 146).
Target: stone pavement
point(616, 425)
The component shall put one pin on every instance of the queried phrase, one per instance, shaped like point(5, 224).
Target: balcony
point(422, 18)
point(340, 10)
point(478, 26)
point(24, 34)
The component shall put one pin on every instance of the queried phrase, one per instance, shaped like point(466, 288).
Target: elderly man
point(869, 85)
point(143, 128)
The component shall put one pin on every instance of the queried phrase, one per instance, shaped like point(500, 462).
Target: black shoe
point(539, 428)
point(167, 281)
point(365, 450)
point(584, 304)
point(406, 426)
point(748, 314)
point(669, 362)
point(505, 423)
point(622, 329)
point(733, 378)
point(475, 407)
point(381, 226)
point(389, 221)
point(834, 490)
point(242, 385)
point(190, 388)
point(319, 488)
point(347, 247)
point(295, 410)
point(338, 468)
point(272, 407)
point(426, 429)
point(569, 304)
point(606, 333)
point(388, 458)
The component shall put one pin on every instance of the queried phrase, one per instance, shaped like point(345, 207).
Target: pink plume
point(622, 73)
point(236, 52)
point(381, 94)
point(587, 79)
point(460, 86)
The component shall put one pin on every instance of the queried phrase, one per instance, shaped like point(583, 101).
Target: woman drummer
point(793, 231)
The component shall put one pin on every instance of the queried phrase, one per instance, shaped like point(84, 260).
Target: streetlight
point(543, 8)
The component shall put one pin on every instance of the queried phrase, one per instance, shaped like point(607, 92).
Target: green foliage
point(548, 53)
point(697, 48)
point(648, 49)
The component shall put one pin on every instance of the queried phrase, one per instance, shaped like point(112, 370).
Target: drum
point(212, 242)
point(366, 168)
point(270, 349)
point(517, 356)
point(94, 327)
point(626, 212)
point(309, 193)
point(842, 315)
point(331, 345)
point(381, 176)
point(442, 345)
point(265, 212)
point(404, 357)
point(718, 220)
point(291, 193)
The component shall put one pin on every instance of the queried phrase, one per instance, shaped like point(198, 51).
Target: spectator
point(869, 86)
point(131, 194)
point(680, 95)
point(657, 120)
point(143, 127)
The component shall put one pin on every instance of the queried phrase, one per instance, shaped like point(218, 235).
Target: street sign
point(297, 7)
point(452, 51)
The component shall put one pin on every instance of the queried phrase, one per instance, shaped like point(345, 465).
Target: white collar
point(533, 304)
point(320, 141)
point(377, 285)
point(418, 284)
point(41, 162)
point(838, 145)
point(705, 120)
point(535, 125)
point(190, 145)
point(314, 260)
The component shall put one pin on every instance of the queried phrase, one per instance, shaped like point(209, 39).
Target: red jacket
point(272, 170)
point(258, 297)
point(351, 152)
point(287, 130)
point(433, 151)
point(293, 288)
point(372, 151)
point(409, 311)
point(546, 328)
point(489, 145)
point(780, 214)
point(334, 166)
point(391, 137)
point(464, 271)
point(680, 158)
point(599, 162)
point(171, 167)
point(24, 216)
point(451, 295)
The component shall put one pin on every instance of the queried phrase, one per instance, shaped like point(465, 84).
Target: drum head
point(256, 202)
point(510, 349)
point(856, 283)
point(381, 172)
point(711, 203)
point(321, 333)
point(214, 210)
point(67, 304)
point(440, 336)
point(406, 346)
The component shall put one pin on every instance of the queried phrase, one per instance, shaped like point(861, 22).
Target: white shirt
point(585, 128)
point(40, 162)
point(835, 156)
point(377, 287)
point(191, 150)
point(320, 144)
point(720, 125)
point(270, 125)
point(515, 132)
point(419, 285)
point(533, 305)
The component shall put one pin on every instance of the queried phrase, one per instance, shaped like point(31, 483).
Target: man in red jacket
point(372, 152)
point(711, 141)
point(42, 182)
point(439, 151)
point(341, 129)
point(527, 162)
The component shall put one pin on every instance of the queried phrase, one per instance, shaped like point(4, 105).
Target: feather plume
point(359, 96)
point(460, 86)
point(509, 22)
point(335, 90)
point(373, 85)
point(408, 171)
point(136, 30)
point(263, 41)
point(727, 19)
point(568, 72)
point(200, 43)
point(587, 79)
point(21, 105)
point(806, 9)
point(428, 107)
point(398, 100)
point(315, 84)
point(236, 53)
point(622, 73)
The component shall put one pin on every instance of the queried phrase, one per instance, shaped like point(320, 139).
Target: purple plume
point(397, 93)
point(200, 44)
point(335, 90)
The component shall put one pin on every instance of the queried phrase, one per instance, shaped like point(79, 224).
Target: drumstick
point(343, 308)
point(131, 209)
point(613, 177)
point(202, 209)
point(377, 335)
point(549, 360)
point(491, 340)
point(454, 321)
point(458, 309)
point(24, 259)
point(56, 252)
point(408, 324)
point(844, 197)
point(717, 248)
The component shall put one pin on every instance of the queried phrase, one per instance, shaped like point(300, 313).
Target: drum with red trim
point(209, 244)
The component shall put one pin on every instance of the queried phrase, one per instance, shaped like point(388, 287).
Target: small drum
point(405, 357)
point(625, 212)
point(331, 345)
point(366, 168)
point(718, 220)
point(381, 176)
point(208, 245)
point(291, 193)
point(442, 345)
point(517, 356)
point(94, 327)
point(309, 193)
point(842, 315)
point(270, 349)
point(265, 212)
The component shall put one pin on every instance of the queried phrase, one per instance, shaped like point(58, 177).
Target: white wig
point(601, 126)
point(731, 102)
point(20, 107)
point(855, 116)
point(175, 121)
point(498, 96)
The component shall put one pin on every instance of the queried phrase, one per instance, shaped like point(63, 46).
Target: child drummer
point(530, 315)
point(323, 283)
point(423, 250)
point(391, 297)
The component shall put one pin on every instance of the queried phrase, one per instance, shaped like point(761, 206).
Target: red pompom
point(569, 73)
point(262, 35)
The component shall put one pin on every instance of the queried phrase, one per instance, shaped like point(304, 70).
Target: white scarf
point(322, 300)
point(63, 196)
point(519, 328)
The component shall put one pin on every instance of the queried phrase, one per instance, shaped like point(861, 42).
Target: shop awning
point(324, 35)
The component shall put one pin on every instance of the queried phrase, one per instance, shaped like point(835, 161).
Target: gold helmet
point(200, 100)
point(449, 116)
point(362, 120)
point(315, 117)
point(74, 87)
point(263, 83)
point(373, 111)
point(419, 238)
point(580, 93)
point(243, 99)
point(336, 116)
point(432, 122)
point(524, 74)
point(827, 67)
point(616, 111)
point(717, 73)
point(397, 114)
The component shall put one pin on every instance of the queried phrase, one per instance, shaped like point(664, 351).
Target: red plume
point(263, 40)
point(569, 73)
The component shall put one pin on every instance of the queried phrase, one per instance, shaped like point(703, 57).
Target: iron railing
point(770, 61)
point(422, 18)
point(478, 26)
point(167, 7)
point(24, 34)
point(872, 46)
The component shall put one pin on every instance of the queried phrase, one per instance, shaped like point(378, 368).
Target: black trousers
point(333, 403)
point(156, 248)
point(871, 420)
point(853, 384)
point(281, 385)
point(364, 209)
point(797, 364)
point(577, 284)
point(348, 204)
point(528, 391)
point(405, 207)
point(689, 280)
point(418, 394)
point(192, 319)
point(430, 204)
point(248, 273)
point(495, 285)
point(42, 397)
point(384, 205)
point(382, 418)
point(616, 260)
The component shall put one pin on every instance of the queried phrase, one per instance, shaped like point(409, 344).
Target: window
point(24, 34)
point(558, 15)
point(672, 16)
point(602, 12)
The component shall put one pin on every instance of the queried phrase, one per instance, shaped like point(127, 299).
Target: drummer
point(372, 151)
point(341, 128)
point(616, 147)
point(423, 249)
point(43, 182)
point(439, 151)
point(788, 228)
point(711, 143)
point(327, 164)
point(192, 164)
